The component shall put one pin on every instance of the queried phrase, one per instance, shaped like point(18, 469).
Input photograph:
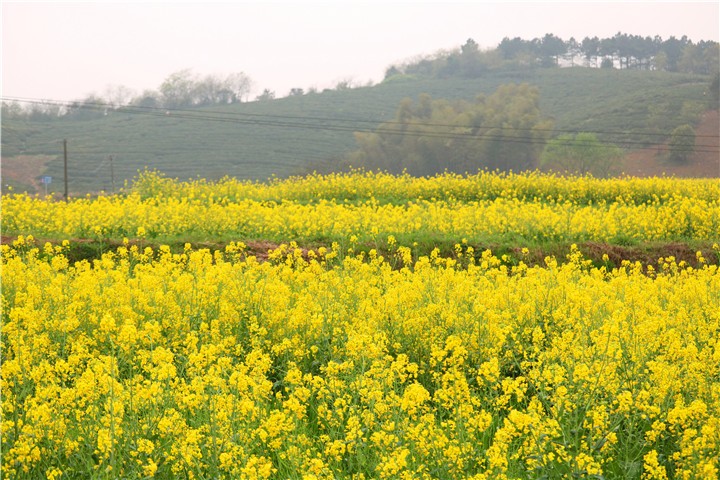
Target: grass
point(577, 99)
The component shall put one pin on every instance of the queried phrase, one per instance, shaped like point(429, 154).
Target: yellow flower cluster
point(147, 363)
point(527, 208)
point(359, 185)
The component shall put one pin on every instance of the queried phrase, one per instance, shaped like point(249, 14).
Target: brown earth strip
point(646, 254)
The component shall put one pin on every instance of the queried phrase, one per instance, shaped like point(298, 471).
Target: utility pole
point(112, 174)
point(65, 168)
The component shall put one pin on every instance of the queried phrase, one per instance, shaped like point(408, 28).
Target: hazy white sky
point(66, 50)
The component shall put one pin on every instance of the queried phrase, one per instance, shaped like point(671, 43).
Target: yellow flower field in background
point(151, 364)
point(526, 208)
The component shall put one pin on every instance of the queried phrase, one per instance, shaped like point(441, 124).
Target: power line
point(176, 111)
point(227, 117)
point(202, 115)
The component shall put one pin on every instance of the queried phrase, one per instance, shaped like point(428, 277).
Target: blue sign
point(47, 180)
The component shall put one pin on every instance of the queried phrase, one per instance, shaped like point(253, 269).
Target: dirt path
point(25, 170)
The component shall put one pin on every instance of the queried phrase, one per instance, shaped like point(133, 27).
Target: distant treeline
point(621, 51)
point(180, 89)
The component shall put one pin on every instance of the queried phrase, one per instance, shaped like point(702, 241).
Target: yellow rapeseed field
point(151, 363)
point(527, 207)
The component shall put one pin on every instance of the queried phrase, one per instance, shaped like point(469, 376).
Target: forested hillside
point(207, 126)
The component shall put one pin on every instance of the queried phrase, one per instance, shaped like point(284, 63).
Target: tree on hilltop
point(682, 143)
point(186, 89)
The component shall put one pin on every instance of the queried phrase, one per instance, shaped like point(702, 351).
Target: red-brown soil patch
point(650, 162)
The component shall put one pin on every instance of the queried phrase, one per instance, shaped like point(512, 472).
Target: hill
point(289, 136)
